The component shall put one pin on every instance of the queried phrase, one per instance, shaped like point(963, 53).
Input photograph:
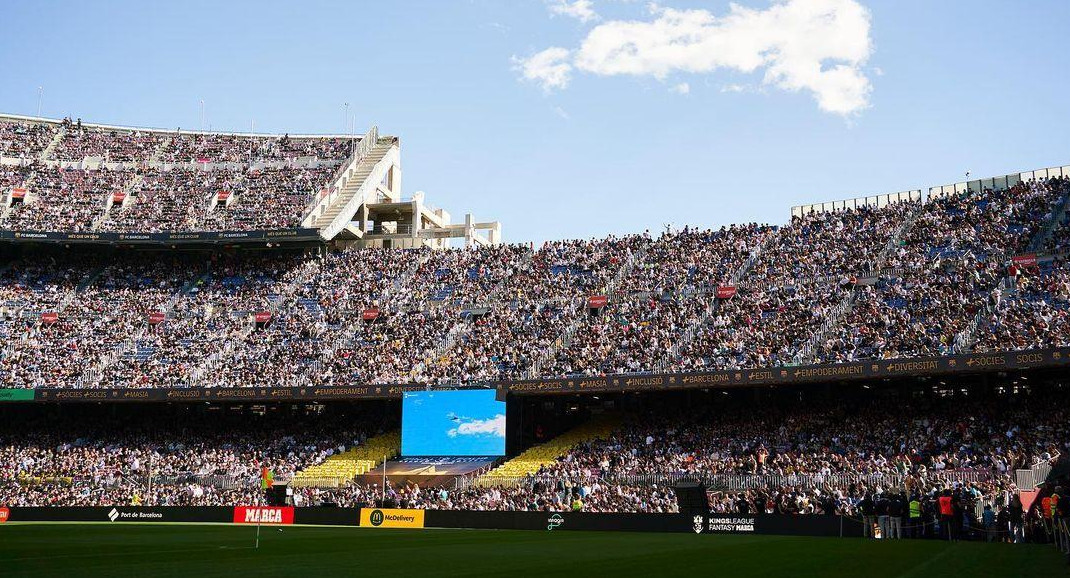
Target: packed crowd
point(161, 457)
point(152, 200)
point(907, 440)
point(195, 182)
point(555, 496)
point(913, 280)
point(668, 289)
point(64, 199)
point(845, 457)
point(113, 145)
point(1033, 311)
point(862, 458)
point(793, 287)
point(613, 305)
point(944, 272)
point(24, 140)
point(28, 139)
point(216, 148)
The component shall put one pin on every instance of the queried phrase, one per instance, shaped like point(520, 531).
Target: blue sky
point(452, 423)
point(605, 142)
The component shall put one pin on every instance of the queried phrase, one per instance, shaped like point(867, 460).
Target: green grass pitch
point(200, 551)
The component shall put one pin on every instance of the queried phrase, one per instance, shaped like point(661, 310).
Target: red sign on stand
point(597, 301)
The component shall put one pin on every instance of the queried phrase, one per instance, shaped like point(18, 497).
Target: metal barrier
point(322, 482)
point(220, 482)
point(737, 482)
point(1036, 474)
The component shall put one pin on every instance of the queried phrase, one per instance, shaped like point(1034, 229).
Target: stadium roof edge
point(39, 119)
point(924, 194)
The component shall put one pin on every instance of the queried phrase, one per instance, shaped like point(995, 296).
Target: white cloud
point(682, 88)
point(562, 113)
point(582, 10)
point(497, 26)
point(819, 46)
point(733, 88)
point(549, 69)
point(494, 427)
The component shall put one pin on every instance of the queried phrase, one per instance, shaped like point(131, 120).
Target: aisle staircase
point(356, 184)
point(132, 184)
point(343, 468)
point(46, 154)
point(463, 327)
point(692, 329)
point(349, 334)
point(1059, 213)
point(835, 318)
point(564, 340)
point(135, 346)
point(965, 340)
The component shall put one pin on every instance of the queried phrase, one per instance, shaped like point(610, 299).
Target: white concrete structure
point(361, 206)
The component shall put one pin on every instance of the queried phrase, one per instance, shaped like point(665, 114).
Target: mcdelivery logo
point(376, 518)
point(554, 521)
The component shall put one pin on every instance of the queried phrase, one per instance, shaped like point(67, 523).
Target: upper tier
point(64, 176)
point(64, 140)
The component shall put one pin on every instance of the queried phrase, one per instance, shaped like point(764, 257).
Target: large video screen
point(452, 423)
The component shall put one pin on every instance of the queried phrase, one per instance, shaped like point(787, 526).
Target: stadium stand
point(532, 460)
point(108, 179)
point(919, 279)
point(508, 312)
point(121, 183)
point(154, 455)
point(344, 467)
point(373, 297)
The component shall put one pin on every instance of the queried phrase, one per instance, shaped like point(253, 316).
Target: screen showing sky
point(452, 423)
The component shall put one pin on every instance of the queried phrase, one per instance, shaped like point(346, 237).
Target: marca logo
point(4, 513)
point(730, 525)
point(263, 515)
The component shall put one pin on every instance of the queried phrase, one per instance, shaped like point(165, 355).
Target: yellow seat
point(533, 459)
point(342, 468)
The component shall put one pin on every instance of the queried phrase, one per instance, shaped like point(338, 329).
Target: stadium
point(231, 353)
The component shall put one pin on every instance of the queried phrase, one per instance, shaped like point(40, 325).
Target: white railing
point(340, 180)
point(1030, 478)
point(93, 376)
point(285, 298)
point(965, 339)
point(346, 335)
point(737, 482)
